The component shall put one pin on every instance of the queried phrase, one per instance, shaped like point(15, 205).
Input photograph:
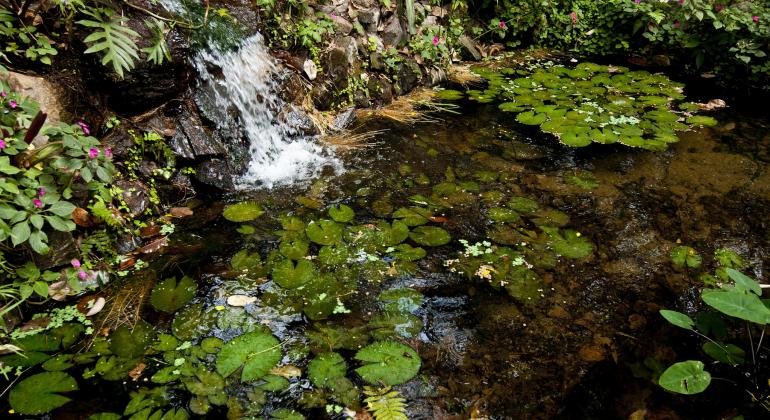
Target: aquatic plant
point(243, 212)
point(592, 104)
point(256, 352)
point(685, 256)
point(41, 393)
point(170, 295)
point(387, 362)
point(326, 367)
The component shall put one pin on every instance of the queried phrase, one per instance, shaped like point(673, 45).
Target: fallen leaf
point(91, 305)
point(153, 246)
point(591, 354)
point(180, 212)
point(82, 218)
point(127, 262)
point(310, 69)
point(36, 324)
point(438, 219)
point(59, 290)
point(136, 372)
point(149, 231)
point(288, 371)
point(240, 300)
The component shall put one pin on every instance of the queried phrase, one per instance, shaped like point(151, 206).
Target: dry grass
point(415, 107)
point(125, 305)
point(347, 140)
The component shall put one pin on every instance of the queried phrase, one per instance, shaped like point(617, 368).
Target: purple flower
point(755, 18)
point(82, 275)
point(637, 1)
point(435, 40)
point(681, 1)
point(12, 104)
point(93, 153)
point(37, 203)
point(3, 94)
point(41, 192)
point(677, 24)
point(75, 263)
point(501, 25)
point(108, 153)
point(84, 127)
point(2, 144)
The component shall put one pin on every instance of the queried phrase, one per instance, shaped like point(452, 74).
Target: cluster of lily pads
point(592, 103)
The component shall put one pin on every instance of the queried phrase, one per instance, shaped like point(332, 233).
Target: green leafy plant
point(170, 295)
point(385, 404)
point(111, 38)
point(40, 393)
point(256, 352)
point(388, 362)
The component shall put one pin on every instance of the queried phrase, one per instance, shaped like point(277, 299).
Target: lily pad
point(326, 367)
point(243, 212)
point(523, 204)
point(388, 362)
point(341, 213)
point(40, 394)
point(406, 252)
point(413, 216)
point(430, 236)
point(170, 296)
point(502, 215)
point(290, 276)
point(569, 243)
point(401, 300)
point(324, 232)
point(257, 352)
point(294, 249)
point(128, 343)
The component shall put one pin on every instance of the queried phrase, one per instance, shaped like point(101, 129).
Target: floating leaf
point(685, 378)
point(243, 212)
point(502, 215)
point(257, 352)
point(430, 236)
point(341, 213)
point(294, 249)
point(39, 393)
point(170, 296)
point(325, 367)
point(324, 232)
point(388, 362)
point(406, 252)
point(129, 343)
point(569, 243)
point(289, 276)
point(401, 300)
point(413, 216)
point(523, 204)
point(702, 120)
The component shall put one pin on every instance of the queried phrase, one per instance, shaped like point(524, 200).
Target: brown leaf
point(35, 324)
point(91, 305)
point(59, 290)
point(82, 218)
point(136, 372)
point(153, 246)
point(127, 262)
point(180, 212)
point(438, 219)
point(591, 353)
point(240, 300)
point(288, 371)
point(149, 231)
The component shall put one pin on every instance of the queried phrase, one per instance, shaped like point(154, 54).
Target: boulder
point(135, 195)
point(369, 18)
point(216, 173)
point(392, 32)
point(341, 25)
point(40, 90)
point(409, 76)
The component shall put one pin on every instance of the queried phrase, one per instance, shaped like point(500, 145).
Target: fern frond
point(112, 39)
point(158, 51)
point(385, 404)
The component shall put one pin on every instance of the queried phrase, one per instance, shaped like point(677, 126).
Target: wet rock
point(344, 119)
point(216, 173)
point(62, 250)
point(436, 76)
point(348, 46)
point(369, 18)
point(39, 89)
point(393, 33)
point(469, 48)
point(120, 141)
point(135, 195)
point(380, 90)
point(591, 353)
point(558, 312)
point(293, 87)
point(341, 25)
point(636, 321)
point(409, 76)
point(127, 243)
point(199, 141)
point(300, 121)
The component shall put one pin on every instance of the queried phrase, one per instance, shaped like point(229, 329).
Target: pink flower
point(677, 24)
point(681, 1)
point(334, 16)
point(719, 7)
point(637, 1)
point(37, 203)
point(93, 153)
point(2, 144)
point(75, 263)
point(41, 192)
point(108, 153)
point(12, 104)
point(84, 127)
point(82, 275)
point(435, 40)
point(3, 94)
point(755, 19)
point(573, 15)
point(501, 25)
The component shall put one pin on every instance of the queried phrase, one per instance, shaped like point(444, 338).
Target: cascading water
point(245, 80)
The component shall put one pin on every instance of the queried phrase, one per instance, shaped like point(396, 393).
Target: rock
point(591, 353)
point(62, 250)
point(369, 43)
point(661, 60)
point(344, 119)
point(429, 21)
point(376, 62)
point(310, 69)
point(120, 141)
point(39, 89)
point(348, 45)
point(380, 90)
point(180, 146)
point(369, 18)
point(341, 25)
point(469, 48)
point(299, 121)
point(392, 33)
point(200, 142)
point(438, 11)
point(409, 76)
point(127, 243)
point(436, 75)
point(135, 195)
point(216, 173)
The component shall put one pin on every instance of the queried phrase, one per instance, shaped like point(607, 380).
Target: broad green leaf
point(243, 212)
point(388, 362)
point(325, 367)
point(738, 304)
point(430, 236)
point(744, 282)
point(20, 233)
point(324, 232)
point(128, 343)
point(170, 295)
point(62, 209)
point(39, 394)
point(726, 353)
point(289, 276)
point(341, 213)
point(677, 318)
point(685, 378)
point(257, 352)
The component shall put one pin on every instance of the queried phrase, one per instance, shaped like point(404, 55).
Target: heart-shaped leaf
point(291, 276)
point(39, 393)
point(324, 232)
point(685, 378)
point(325, 367)
point(388, 362)
point(257, 352)
point(170, 295)
point(430, 236)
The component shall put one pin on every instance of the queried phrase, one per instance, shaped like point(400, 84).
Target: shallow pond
point(527, 276)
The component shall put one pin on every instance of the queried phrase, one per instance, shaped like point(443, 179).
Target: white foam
point(279, 154)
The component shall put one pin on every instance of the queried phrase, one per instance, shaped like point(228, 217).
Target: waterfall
point(245, 80)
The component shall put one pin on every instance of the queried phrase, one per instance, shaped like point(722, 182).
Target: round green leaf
point(388, 362)
point(430, 236)
point(685, 378)
point(677, 318)
point(324, 232)
point(170, 295)
point(289, 276)
point(325, 367)
point(341, 213)
point(242, 212)
point(257, 352)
